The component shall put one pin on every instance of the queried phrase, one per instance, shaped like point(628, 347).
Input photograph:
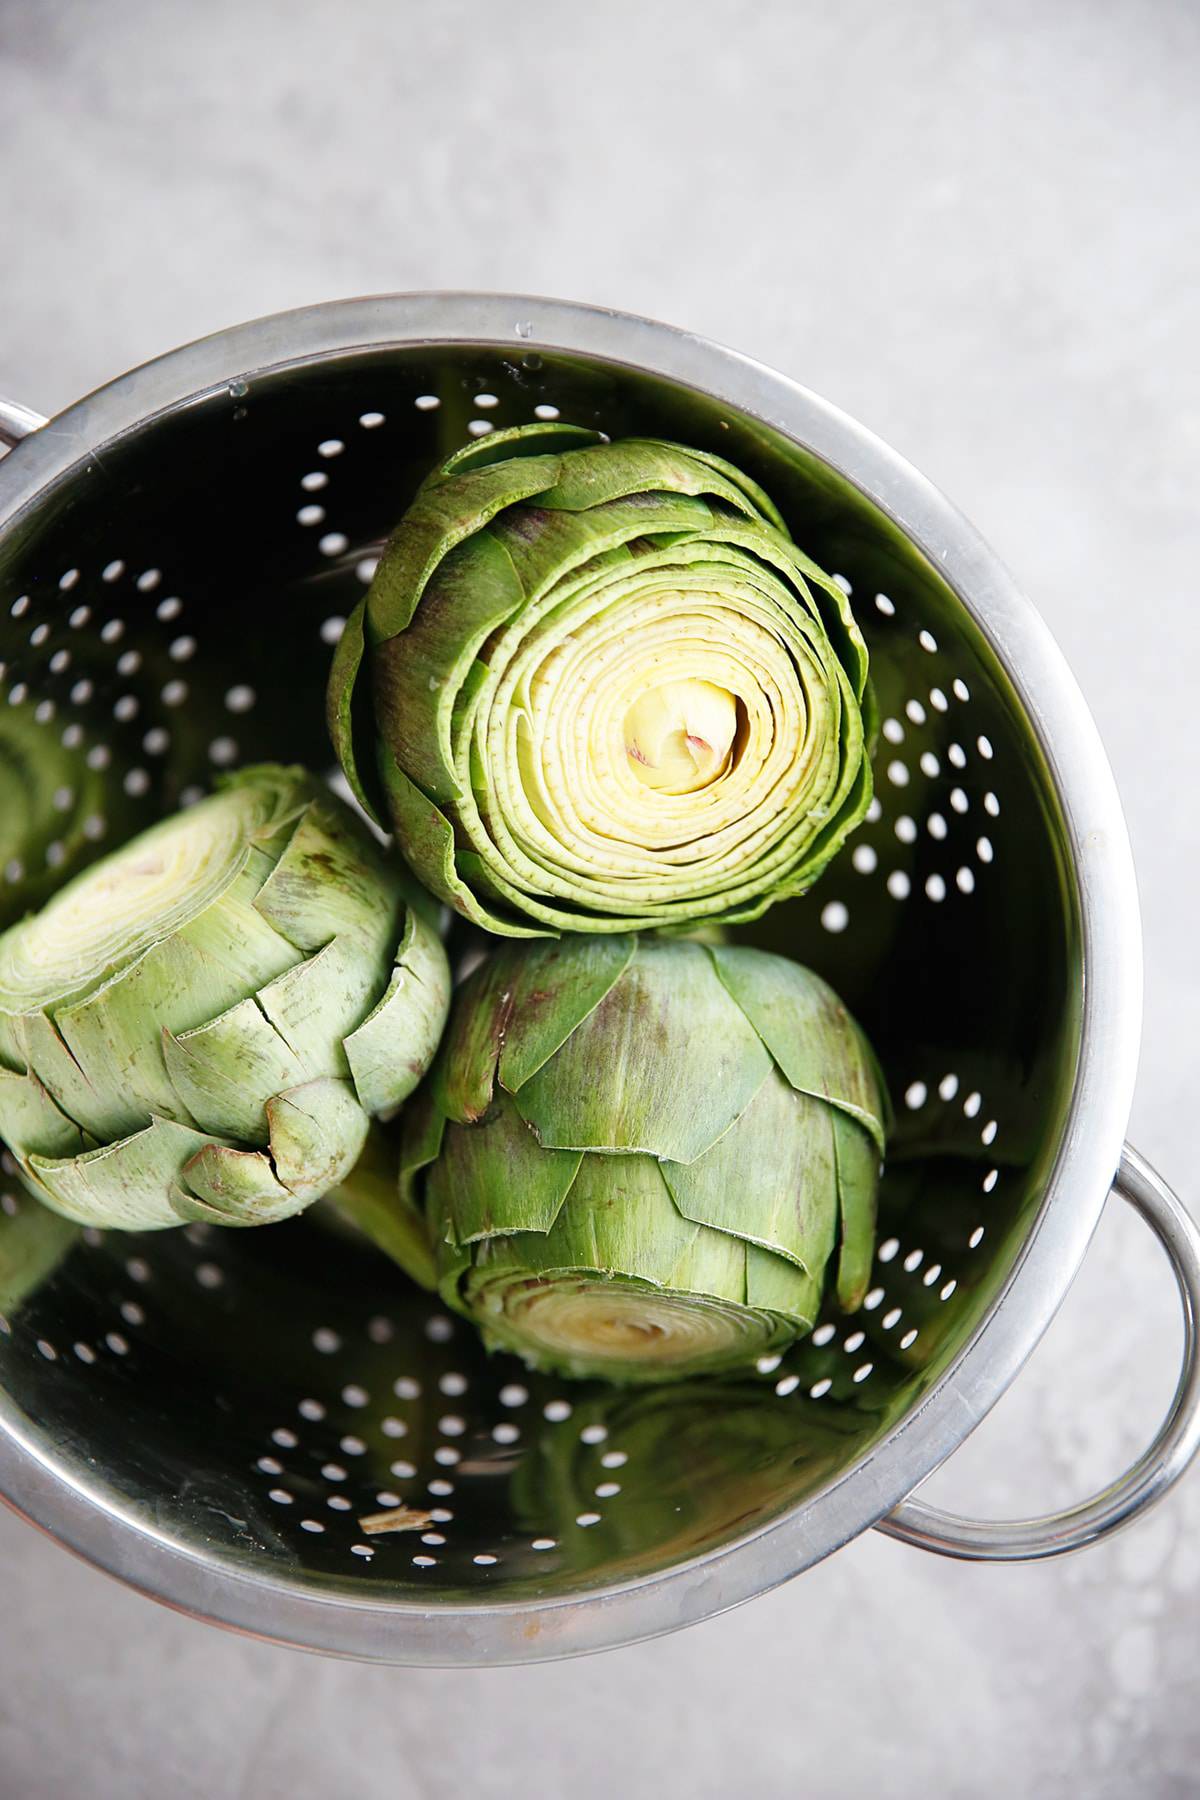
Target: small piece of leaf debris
point(396, 1518)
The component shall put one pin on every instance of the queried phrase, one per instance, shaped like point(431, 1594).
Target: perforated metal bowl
point(212, 1417)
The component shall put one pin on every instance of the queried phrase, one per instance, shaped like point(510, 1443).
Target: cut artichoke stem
point(679, 736)
point(366, 1205)
point(203, 1024)
point(589, 1325)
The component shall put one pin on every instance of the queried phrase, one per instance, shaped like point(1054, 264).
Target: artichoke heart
point(640, 1158)
point(596, 687)
point(202, 1025)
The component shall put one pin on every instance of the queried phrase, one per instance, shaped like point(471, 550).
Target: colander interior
point(167, 612)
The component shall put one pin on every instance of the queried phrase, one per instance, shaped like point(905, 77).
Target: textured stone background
point(975, 226)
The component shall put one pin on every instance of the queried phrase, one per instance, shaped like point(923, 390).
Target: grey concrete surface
point(977, 227)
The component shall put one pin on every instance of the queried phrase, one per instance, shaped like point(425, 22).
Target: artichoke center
point(679, 736)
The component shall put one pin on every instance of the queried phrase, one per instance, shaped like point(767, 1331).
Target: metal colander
point(271, 1429)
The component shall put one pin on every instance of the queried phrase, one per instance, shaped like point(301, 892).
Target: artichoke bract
point(202, 1025)
point(639, 1157)
point(595, 687)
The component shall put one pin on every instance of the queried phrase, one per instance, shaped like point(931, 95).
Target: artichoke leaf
point(227, 1071)
point(444, 514)
point(349, 722)
point(31, 1123)
point(610, 1087)
point(393, 1047)
point(778, 1286)
point(553, 992)
point(771, 1179)
point(429, 848)
point(546, 438)
point(494, 1178)
point(418, 672)
point(807, 1030)
point(125, 1184)
point(316, 1004)
point(858, 1186)
point(234, 1187)
point(317, 1134)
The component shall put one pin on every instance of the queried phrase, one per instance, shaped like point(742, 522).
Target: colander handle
point(16, 422)
point(1029, 1540)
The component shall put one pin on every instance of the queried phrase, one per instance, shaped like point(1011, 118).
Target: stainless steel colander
point(269, 1429)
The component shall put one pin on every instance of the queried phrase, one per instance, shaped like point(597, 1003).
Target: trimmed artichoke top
point(201, 1025)
point(596, 687)
point(639, 1157)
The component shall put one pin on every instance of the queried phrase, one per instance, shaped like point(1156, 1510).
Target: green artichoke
point(595, 687)
point(637, 1158)
point(52, 811)
point(203, 1024)
point(33, 1242)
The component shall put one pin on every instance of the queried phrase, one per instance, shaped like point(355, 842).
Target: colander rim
point(205, 1584)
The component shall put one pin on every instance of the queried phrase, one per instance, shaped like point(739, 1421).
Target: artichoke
point(202, 1025)
point(637, 1157)
point(33, 1242)
point(52, 812)
point(596, 688)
